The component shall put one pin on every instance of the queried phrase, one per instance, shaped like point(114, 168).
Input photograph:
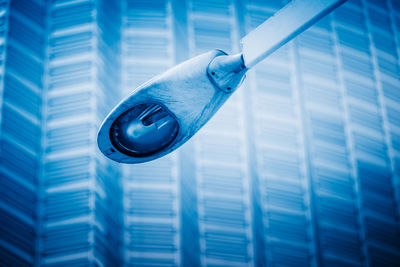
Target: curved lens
point(143, 130)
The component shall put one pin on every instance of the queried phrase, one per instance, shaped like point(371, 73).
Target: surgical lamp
point(163, 113)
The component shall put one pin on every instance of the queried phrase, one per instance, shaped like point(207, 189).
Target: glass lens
point(143, 130)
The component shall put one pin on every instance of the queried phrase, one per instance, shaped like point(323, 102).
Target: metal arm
point(286, 24)
point(227, 71)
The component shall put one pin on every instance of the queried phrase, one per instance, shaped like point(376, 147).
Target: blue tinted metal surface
point(300, 168)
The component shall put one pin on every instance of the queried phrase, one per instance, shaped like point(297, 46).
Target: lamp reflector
point(143, 129)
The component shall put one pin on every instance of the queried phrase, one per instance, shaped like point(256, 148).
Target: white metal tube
point(285, 25)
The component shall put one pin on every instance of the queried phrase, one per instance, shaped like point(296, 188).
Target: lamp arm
point(227, 72)
point(283, 26)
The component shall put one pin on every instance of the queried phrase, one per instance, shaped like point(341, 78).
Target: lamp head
point(162, 114)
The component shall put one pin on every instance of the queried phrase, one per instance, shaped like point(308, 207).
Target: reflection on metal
point(165, 112)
